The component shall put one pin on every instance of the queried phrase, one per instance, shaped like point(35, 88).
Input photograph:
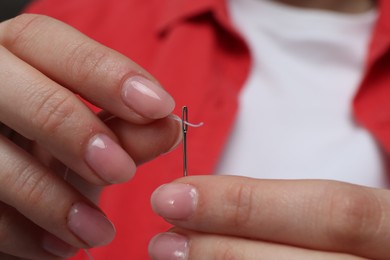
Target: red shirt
point(191, 47)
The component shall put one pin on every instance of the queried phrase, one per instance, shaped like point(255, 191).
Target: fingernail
point(57, 247)
point(109, 160)
point(179, 137)
point(90, 225)
point(147, 98)
point(175, 201)
point(169, 246)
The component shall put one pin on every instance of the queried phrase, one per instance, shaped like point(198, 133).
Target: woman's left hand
point(229, 217)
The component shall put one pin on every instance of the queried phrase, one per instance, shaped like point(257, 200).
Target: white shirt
point(295, 119)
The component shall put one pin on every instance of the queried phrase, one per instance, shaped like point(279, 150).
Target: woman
point(195, 51)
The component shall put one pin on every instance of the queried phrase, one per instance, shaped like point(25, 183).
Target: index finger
point(324, 215)
point(99, 74)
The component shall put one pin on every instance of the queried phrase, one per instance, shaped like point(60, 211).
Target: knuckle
point(18, 30)
point(52, 109)
point(25, 185)
point(84, 61)
point(32, 185)
point(239, 199)
point(355, 216)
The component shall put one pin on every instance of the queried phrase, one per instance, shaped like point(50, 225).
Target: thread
point(178, 119)
point(66, 173)
point(88, 254)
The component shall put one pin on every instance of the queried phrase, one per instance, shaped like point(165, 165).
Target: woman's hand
point(228, 217)
point(47, 130)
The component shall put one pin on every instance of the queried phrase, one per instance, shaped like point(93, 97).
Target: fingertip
point(146, 97)
point(179, 134)
point(109, 160)
point(169, 246)
point(175, 201)
point(90, 225)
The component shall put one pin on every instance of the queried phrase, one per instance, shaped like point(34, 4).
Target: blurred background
point(11, 8)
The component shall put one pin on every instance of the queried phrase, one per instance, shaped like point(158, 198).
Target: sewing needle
point(184, 119)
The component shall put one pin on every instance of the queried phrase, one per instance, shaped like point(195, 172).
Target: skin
point(231, 217)
point(40, 71)
point(55, 131)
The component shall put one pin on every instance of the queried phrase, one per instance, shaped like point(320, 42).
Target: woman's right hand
point(46, 129)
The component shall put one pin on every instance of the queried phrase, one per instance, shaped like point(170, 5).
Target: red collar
point(176, 11)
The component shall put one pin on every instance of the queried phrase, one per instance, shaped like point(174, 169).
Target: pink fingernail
point(147, 98)
point(169, 246)
point(175, 200)
point(109, 160)
point(180, 135)
point(57, 247)
point(90, 225)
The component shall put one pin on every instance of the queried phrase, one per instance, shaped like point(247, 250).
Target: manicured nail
point(179, 137)
point(168, 246)
point(57, 247)
point(147, 98)
point(175, 201)
point(109, 160)
point(90, 225)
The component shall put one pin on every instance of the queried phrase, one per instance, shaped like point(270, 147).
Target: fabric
point(192, 48)
point(323, 57)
